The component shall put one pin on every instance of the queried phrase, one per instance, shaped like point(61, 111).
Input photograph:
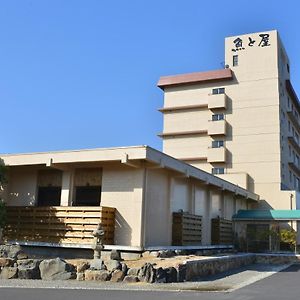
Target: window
point(217, 117)
point(288, 68)
point(289, 125)
point(218, 91)
point(290, 151)
point(235, 61)
point(217, 171)
point(291, 176)
point(217, 144)
point(289, 102)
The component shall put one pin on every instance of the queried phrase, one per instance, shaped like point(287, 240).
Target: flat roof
point(126, 155)
point(193, 78)
point(267, 215)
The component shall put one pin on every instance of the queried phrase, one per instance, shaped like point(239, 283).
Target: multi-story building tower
point(242, 122)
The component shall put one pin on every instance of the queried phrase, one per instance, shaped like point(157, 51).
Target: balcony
point(217, 101)
point(215, 155)
point(217, 127)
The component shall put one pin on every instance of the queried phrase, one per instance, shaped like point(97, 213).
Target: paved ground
point(284, 285)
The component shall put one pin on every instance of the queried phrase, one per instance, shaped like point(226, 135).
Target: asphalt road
point(284, 285)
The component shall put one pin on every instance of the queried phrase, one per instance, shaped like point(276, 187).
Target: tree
point(3, 180)
point(3, 172)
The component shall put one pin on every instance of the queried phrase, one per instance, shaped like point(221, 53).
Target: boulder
point(161, 275)
point(11, 251)
point(117, 276)
point(115, 255)
point(171, 273)
point(112, 265)
point(147, 273)
point(166, 253)
point(124, 268)
point(82, 266)
point(98, 275)
point(6, 262)
point(133, 272)
point(56, 269)
point(29, 269)
point(97, 264)
point(80, 276)
point(9, 273)
point(130, 279)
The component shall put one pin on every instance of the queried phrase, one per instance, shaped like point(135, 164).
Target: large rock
point(6, 262)
point(161, 275)
point(112, 265)
point(171, 273)
point(98, 275)
point(56, 269)
point(97, 264)
point(124, 268)
point(117, 276)
point(12, 251)
point(166, 253)
point(115, 255)
point(82, 266)
point(133, 272)
point(147, 273)
point(29, 269)
point(9, 273)
point(131, 279)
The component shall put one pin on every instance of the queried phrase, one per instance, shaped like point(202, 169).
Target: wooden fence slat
point(186, 229)
point(59, 224)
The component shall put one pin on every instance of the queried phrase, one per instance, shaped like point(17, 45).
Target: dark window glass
point(49, 196)
point(217, 117)
point(87, 196)
point(218, 171)
point(217, 144)
point(235, 61)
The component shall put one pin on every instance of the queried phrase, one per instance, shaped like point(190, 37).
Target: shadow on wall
point(123, 232)
point(38, 224)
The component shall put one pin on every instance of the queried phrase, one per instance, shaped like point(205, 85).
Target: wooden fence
point(221, 232)
point(58, 224)
point(186, 229)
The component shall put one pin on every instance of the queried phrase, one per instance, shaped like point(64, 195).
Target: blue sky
point(82, 73)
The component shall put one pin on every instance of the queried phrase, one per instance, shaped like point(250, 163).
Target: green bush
point(2, 214)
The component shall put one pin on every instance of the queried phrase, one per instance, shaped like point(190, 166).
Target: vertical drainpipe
point(144, 209)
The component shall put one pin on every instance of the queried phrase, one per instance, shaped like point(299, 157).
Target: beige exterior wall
point(22, 188)
point(123, 189)
point(157, 209)
point(258, 125)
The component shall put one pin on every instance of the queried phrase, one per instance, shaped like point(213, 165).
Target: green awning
point(267, 215)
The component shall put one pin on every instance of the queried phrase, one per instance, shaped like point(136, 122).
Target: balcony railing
point(215, 155)
point(217, 101)
point(217, 127)
point(58, 224)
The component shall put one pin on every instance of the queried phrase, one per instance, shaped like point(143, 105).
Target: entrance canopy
point(267, 215)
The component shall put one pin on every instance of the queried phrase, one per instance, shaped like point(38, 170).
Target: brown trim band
point(193, 158)
point(186, 107)
point(192, 78)
point(182, 133)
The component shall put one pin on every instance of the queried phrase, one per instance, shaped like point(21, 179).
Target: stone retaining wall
point(14, 263)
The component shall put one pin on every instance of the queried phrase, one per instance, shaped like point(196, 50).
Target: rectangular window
point(235, 61)
point(217, 117)
point(217, 171)
point(217, 144)
point(218, 91)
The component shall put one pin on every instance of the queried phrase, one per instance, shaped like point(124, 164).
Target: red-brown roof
point(198, 77)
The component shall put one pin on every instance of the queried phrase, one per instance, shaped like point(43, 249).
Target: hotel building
point(241, 123)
